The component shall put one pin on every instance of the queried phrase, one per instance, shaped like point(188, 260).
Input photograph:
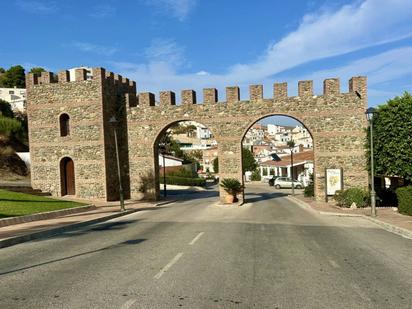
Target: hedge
point(404, 195)
point(184, 181)
point(345, 198)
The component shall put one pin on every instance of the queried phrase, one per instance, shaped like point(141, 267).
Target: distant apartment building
point(72, 74)
point(255, 134)
point(208, 157)
point(16, 97)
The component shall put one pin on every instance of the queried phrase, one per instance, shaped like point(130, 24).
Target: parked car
point(271, 181)
point(286, 182)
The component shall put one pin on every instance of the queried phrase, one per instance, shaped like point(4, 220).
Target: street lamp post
point(369, 115)
point(113, 121)
point(163, 152)
point(291, 145)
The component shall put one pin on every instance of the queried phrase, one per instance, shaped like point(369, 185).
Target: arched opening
point(67, 177)
point(186, 159)
point(278, 157)
point(64, 125)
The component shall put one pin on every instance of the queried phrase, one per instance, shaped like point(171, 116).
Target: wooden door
point(68, 178)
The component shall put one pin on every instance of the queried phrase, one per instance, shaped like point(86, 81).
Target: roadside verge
point(406, 233)
point(19, 233)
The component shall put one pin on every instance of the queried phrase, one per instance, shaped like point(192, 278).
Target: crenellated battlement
point(80, 74)
point(331, 87)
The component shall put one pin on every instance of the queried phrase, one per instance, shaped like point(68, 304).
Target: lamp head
point(370, 112)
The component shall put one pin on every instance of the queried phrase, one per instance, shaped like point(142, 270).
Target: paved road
point(269, 253)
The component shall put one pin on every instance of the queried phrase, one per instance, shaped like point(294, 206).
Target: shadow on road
point(116, 246)
point(251, 197)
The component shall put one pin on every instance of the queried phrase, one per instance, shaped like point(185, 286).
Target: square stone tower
point(71, 136)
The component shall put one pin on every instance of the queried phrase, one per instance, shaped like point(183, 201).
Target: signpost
point(334, 181)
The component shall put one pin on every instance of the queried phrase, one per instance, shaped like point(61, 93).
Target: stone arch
point(155, 149)
point(297, 118)
point(67, 176)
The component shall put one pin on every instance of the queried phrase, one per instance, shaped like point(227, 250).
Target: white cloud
point(94, 48)
point(166, 51)
point(41, 7)
point(179, 9)
point(389, 65)
point(202, 73)
point(319, 36)
point(103, 11)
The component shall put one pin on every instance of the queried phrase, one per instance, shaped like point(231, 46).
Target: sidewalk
point(18, 233)
point(387, 217)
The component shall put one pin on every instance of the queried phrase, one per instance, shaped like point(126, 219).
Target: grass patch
point(13, 204)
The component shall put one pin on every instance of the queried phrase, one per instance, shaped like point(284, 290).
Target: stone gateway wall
point(336, 121)
point(90, 104)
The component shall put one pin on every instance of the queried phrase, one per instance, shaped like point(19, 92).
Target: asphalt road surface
point(269, 253)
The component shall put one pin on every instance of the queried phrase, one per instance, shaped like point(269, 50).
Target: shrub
point(184, 173)
point(9, 125)
point(310, 188)
point(386, 197)
point(231, 186)
point(184, 181)
point(404, 195)
point(147, 182)
point(256, 175)
point(345, 198)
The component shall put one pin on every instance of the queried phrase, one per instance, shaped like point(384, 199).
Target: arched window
point(64, 125)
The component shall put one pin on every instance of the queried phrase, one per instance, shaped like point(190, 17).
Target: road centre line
point(128, 304)
point(333, 263)
point(196, 238)
point(167, 267)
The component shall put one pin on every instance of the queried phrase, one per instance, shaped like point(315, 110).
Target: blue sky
point(183, 44)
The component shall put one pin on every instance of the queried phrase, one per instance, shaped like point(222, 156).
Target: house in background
point(302, 167)
point(16, 97)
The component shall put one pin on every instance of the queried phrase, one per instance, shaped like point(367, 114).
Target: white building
point(169, 160)
point(203, 132)
point(255, 134)
point(273, 129)
point(16, 97)
point(89, 72)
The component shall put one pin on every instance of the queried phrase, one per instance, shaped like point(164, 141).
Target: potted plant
point(233, 187)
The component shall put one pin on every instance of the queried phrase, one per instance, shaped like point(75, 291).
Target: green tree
point(291, 144)
point(215, 163)
point(392, 137)
point(9, 125)
point(37, 70)
point(2, 70)
point(13, 77)
point(249, 162)
point(5, 109)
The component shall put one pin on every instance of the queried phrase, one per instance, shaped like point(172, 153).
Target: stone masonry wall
point(336, 121)
point(90, 144)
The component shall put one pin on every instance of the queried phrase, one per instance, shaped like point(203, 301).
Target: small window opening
point(64, 125)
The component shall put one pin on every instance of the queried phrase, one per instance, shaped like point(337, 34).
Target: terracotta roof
point(298, 158)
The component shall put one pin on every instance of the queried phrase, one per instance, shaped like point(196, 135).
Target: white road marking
point(333, 263)
point(196, 238)
point(128, 304)
point(315, 243)
point(167, 267)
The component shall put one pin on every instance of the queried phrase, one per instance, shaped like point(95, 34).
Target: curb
point(45, 215)
point(384, 225)
point(7, 242)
